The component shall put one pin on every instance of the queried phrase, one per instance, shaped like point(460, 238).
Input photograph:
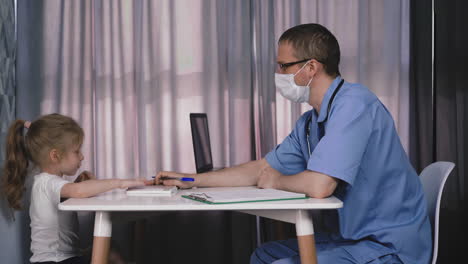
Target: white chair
point(433, 179)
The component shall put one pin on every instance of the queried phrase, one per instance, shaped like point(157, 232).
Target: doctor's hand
point(269, 178)
point(170, 178)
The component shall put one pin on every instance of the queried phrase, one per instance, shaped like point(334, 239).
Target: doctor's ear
point(313, 66)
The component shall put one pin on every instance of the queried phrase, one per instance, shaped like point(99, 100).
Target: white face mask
point(290, 90)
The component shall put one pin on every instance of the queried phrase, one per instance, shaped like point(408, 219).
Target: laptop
point(201, 142)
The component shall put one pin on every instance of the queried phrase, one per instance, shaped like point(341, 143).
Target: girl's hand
point(124, 184)
point(84, 176)
point(172, 182)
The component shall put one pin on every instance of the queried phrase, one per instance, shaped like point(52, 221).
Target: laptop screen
point(201, 142)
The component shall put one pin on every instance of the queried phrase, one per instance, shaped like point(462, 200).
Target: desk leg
point(305, 237)
point(102, 235)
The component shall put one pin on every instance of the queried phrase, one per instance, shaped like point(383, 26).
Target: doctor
point(346, 146)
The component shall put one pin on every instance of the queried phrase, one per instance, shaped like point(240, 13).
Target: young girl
point(53, 144)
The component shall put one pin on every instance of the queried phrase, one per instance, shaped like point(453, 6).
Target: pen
point(175, 178)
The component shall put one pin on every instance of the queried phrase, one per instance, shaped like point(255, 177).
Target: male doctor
point(346, 146)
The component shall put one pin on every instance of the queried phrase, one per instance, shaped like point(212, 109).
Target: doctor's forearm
point(245, 174)
point(315, 185)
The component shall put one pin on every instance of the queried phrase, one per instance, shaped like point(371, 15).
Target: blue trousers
point(287, 252)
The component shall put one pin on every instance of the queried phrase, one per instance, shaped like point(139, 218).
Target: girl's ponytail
point(16, 165)
point(53, 131)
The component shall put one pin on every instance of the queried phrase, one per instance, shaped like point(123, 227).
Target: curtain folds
point(131, 72)
point(439, 114)
point(15, 234)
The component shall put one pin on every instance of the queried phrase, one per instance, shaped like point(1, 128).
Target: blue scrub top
point(384, 208)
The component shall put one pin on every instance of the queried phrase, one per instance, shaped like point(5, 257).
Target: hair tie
point(27, 124)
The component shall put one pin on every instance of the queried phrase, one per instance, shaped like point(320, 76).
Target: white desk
point(291, 211)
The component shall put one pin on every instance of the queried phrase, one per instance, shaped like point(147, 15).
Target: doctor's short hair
point(314, 41)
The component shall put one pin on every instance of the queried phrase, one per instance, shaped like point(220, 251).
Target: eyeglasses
point(283, 66)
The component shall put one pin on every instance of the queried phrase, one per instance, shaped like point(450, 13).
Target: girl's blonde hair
point(53, 131)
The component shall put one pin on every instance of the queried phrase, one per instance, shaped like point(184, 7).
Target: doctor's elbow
point(319, 194)
point(321, 191)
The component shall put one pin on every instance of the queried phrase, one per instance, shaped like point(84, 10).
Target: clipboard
point(244, 196)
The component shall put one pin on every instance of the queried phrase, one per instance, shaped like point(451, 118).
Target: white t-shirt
point(53, 232)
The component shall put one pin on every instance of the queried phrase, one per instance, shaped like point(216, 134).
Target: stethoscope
point(321, 127)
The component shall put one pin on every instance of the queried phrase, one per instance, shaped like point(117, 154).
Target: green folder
point(244, 196)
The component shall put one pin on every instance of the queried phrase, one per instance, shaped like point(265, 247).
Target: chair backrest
point(433, 179)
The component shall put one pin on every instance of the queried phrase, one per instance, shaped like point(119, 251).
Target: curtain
point(7, 71)
point(182, 61)
point(439, 112)
point(131, 72)
point(15, 234)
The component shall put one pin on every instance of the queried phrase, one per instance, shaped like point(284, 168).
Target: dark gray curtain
point(14, 226)
point(439, 115)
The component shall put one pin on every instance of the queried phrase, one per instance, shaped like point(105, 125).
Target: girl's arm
point(92, 187)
